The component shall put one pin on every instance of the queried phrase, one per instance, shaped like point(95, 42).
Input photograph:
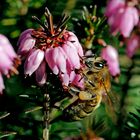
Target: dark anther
point(40, 23)
point(62, 22)
point(47, 12)
point(72, 41)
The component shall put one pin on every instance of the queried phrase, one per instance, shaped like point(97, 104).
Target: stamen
point(62, 22)
point(60, 33)
point(49, 20)
point(40, 23)
point(14, 71)
point(66, 18)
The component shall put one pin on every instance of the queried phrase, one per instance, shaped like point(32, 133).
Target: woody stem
point(46, 117)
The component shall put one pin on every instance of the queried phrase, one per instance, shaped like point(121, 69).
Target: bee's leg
point(82, 94)
point(59, 107)
point(64, 103)
point(86, 95)
point(73, 91)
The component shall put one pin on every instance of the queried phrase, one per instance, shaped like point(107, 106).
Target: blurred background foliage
point(20, 105)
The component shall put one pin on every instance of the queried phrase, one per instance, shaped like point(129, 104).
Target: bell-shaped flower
point(113, 5)
point(65, 78)
point(5, 62)
point(8, 59)
point(41, 75)
point(130, 14)
point(1, 84)
point(121, 17)
point(26, 42)
point(7, 47)
point(77, 80)
point(132, 44)
point(72, 55)
point(72, 78)
point(33, 61)
point(48, 57)
point(71, 37)
point(56, 59)
point(110, 54)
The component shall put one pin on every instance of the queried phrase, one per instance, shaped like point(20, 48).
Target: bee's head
point(95, 63)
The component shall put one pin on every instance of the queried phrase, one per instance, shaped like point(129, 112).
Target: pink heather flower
point(72, 78)
point(114, 5)
point(56, 59)
point(8, 49)
point(77, 80)
point(71, 37)
point(132, 44)
point(8, 56)
point(110, 54)
point(33, 61)
point(73, 57)
point(26, 42)
point(65, 78)
point(41, 74)
point(1, 83)
point(50, 46)
point(121, 17)
point(5, 62)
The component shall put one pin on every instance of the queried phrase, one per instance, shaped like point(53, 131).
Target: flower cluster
point(7, 60)
point(122, 16)
point(53, 46)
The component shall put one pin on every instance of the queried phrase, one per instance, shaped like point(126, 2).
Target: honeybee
point(83, 102)
point(97, 83)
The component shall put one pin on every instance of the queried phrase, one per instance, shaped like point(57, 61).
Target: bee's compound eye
point(99, 65)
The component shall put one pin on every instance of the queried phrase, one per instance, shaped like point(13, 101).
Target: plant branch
point(46, 117)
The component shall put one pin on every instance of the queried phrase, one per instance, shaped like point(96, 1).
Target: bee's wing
point(111, 104)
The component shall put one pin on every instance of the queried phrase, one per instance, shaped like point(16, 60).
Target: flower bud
point(132, 44)
point(110, 54)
